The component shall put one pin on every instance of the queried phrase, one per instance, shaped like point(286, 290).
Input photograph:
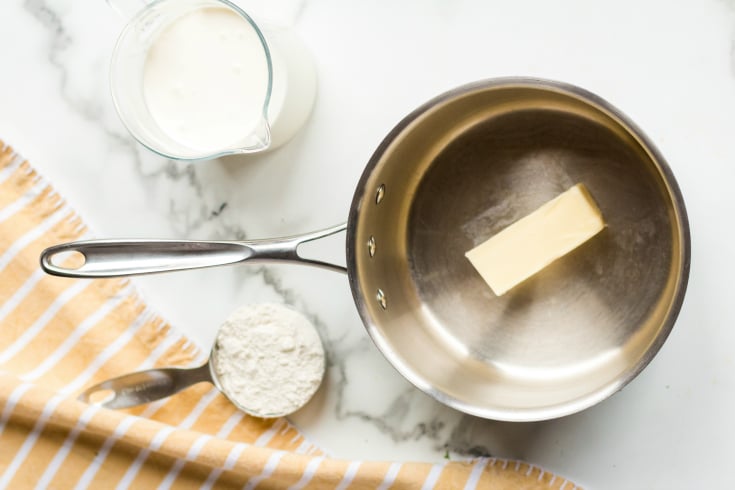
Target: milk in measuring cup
point(205, 79)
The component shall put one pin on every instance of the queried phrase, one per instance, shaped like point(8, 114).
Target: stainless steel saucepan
point(450, 175)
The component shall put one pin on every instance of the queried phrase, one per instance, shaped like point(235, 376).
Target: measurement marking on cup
point(371, 246)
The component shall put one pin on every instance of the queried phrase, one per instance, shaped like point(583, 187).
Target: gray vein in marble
point(215, 213)
point(462, 442)
point(389, 421)
point(60, 40)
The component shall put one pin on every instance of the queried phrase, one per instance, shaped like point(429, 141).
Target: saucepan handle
point(118, 258)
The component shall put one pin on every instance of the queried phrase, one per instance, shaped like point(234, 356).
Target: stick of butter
point(535, 241)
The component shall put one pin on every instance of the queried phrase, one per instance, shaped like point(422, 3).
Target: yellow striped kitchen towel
point(58, 336)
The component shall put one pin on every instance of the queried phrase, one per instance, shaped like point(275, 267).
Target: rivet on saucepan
point(381, 299)
point(371, 246)
point(379, 195)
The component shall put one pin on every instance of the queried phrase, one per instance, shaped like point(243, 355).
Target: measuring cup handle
point(144, 386)
point(127, 8)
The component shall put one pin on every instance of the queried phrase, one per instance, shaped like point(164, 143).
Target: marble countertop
point(669, 65)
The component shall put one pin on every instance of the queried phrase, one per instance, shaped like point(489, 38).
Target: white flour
point(269, 359)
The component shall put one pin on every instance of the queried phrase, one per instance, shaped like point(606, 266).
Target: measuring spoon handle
point(144, 386)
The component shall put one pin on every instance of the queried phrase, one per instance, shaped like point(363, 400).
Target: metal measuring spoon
point(153, 384)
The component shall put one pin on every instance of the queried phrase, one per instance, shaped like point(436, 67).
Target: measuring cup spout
point(259, 139)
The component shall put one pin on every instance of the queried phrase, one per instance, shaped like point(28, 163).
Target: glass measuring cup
point(284, 99)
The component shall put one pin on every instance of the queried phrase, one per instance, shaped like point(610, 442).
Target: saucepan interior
point(460, 169)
